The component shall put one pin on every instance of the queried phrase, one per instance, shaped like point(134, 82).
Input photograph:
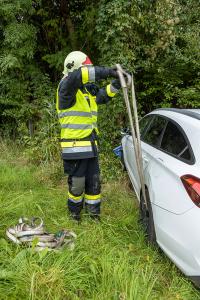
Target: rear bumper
point(178, 236)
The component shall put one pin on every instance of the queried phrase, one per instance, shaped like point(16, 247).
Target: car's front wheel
point(122, 161)
point(146, 218)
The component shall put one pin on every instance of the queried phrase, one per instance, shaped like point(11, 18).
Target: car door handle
point(160, 159)
point(145, 159)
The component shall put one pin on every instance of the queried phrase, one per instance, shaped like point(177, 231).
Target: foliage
point(158, 41)
point(25, 89)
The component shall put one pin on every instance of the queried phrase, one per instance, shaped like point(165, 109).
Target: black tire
point(122, 162)
point(146, 219)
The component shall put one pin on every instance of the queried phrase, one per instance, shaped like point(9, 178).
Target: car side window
point(174, 142)
point(144, 122)
point(154, 133)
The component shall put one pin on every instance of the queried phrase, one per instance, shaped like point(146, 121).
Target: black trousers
point(84, 185)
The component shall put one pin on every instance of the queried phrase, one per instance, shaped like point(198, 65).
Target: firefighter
point(78, 98)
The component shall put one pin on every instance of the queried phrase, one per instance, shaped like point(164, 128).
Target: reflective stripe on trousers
point(75, 199)
point(89, 199)
point(92, 199)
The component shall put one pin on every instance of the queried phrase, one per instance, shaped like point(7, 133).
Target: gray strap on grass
point(28, 233)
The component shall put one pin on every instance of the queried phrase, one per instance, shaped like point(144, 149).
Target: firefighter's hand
point(127, 75)
point(116, 84)
point(128, 78)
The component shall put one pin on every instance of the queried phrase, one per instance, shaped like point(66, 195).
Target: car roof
point(189, 120)
point(196, 110)
point(194, 113)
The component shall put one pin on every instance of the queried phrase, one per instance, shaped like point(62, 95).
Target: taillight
point(192, 186)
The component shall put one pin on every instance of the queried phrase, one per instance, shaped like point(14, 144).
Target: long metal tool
point(127, 80)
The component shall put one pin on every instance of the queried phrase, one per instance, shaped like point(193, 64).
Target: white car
point(170, 141)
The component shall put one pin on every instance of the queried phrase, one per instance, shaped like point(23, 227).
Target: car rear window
point(175, 143)
point(154, 133)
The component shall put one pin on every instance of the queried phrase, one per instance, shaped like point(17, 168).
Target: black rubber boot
point(93, 210)
point(75, 210)
point(75, 217)
point(95, 217)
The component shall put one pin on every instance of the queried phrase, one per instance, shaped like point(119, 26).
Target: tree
point(24, 87)
point(158, 41)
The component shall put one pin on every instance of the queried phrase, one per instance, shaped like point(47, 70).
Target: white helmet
point(75, 60)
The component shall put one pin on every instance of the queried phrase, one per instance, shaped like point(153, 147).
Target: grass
point(111, 259)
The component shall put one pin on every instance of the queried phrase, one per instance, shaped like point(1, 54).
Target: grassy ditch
point(111, 259)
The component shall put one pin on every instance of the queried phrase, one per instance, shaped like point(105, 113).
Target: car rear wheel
point(146, 219)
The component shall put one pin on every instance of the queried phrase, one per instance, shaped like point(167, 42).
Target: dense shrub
point(158, 41)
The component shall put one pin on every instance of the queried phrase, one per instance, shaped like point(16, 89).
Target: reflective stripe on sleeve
point(76, 126)
point(113, 89)
point(75, 199)
point(91, 71)
point(74, 114)
point(94, 113)
point(57, 98)
point(110, 90)
point(85, 75)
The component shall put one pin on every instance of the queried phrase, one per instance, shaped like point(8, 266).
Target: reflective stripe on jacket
point(78, 122)
point(79, 149)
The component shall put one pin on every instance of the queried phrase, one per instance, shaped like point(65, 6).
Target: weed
point(111, 260)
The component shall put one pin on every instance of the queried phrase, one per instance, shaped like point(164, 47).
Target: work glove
point(128, 82)
point(113, 73)
point(116, 84)
point(92, 88)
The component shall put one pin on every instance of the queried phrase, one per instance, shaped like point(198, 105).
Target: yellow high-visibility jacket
point(78, 120)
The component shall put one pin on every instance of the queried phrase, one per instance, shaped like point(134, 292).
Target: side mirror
point(125, 131)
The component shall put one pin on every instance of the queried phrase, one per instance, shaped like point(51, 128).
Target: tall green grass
point(111, 260)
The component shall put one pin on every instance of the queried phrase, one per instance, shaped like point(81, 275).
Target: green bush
point(158, 41)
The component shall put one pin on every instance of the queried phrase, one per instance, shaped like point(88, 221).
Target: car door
point(129, 153)
point(170, 156)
